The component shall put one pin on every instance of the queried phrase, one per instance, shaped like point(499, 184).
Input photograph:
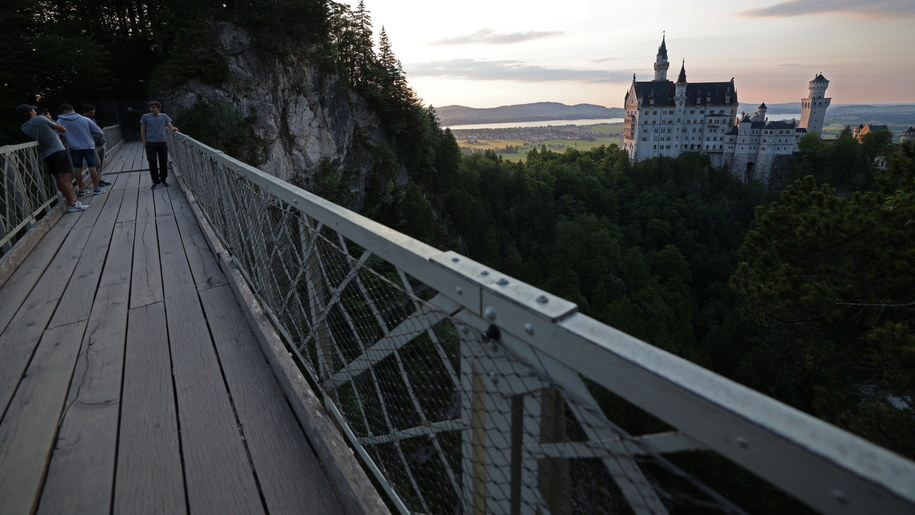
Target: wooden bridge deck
point(129, 380)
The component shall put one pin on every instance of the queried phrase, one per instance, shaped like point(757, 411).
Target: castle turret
point(760, 115)
point(813, 108)
point(660, 64)
point(680, 91)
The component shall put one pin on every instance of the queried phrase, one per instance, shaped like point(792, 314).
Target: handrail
point(27, 192)
point(464, 389)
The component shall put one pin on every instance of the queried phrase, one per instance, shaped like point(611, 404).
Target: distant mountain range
point(540, 111)
point(850, 114)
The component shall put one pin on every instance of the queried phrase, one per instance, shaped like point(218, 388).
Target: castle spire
point(660, 64)
point(681, 79)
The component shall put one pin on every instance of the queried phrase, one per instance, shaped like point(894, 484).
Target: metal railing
point(27, 191)
point(465, 390)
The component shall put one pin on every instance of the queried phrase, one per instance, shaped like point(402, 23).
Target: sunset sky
point(487, 53)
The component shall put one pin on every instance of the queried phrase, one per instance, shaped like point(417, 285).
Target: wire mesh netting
point(25, 189)
point(455, 416)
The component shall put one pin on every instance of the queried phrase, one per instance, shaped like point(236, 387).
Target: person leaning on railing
point(89, 112)
point(52, 151)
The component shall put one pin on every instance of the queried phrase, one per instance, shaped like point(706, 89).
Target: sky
point(489, 53)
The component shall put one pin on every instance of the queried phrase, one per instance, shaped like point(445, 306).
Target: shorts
point(87, 154)
point(58, 163)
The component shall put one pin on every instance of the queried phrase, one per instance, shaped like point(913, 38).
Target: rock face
point(307, 117)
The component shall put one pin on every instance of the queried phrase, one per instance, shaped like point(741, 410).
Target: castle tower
point(680, 91)
point(760, 115)
point(813, 108)
point(660, 64)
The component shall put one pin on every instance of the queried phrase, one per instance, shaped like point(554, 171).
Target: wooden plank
point(28, 431)
point(204, 266)
point(76, 303)
point(149, 472)
point(140, 162)
point(163, 200)
point(81, 473)
point(19, 340)
point(20, 284)
point(146, 286)
point(127, 157)
point(211, 440)
point(285, 464)
point(128, 212)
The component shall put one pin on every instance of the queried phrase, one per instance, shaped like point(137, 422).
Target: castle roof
point(662, 50)
point(780, 124)
point(757, 122)
point(681, 79)
point(697, 93)
point(819, 78)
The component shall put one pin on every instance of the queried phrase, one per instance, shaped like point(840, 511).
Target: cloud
point(856, 8)
point(491, 37)
point(510, 70)
point(606, 60)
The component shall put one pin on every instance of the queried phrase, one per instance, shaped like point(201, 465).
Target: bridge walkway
point(129, 379)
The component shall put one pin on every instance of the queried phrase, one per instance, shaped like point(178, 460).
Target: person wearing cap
point(81, 133)
point(43, 130)
point(152, 132)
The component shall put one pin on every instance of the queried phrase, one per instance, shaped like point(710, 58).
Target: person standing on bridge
point(52, 151)
point(152, 132)
point(89, 112)
point(81, 132)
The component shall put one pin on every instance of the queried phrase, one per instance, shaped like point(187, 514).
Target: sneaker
point(76, 208)
point(156, 185)
point(103, 183)
point(98, 191)
point(165, 183)
point(82, 193)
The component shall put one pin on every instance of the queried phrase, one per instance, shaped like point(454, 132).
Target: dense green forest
point(805, 294)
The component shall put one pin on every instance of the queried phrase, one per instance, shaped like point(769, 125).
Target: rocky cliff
point(308, 120)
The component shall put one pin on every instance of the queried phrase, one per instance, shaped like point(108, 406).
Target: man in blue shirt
point(52, 151)
point(81, 132)
point(152, 132)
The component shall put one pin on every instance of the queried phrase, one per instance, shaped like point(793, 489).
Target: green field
point(526, 141)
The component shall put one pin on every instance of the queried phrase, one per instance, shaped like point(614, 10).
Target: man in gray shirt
point(52, 151)
point(152, 132)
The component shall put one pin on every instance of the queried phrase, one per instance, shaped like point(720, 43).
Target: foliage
point(829, 278)
point(219, 124)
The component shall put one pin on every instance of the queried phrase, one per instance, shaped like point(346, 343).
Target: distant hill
point(786, 108)
point(461, 115)
point(847, 114)
point(893, 115)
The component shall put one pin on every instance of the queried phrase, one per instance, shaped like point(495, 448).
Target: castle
point(665, 118)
